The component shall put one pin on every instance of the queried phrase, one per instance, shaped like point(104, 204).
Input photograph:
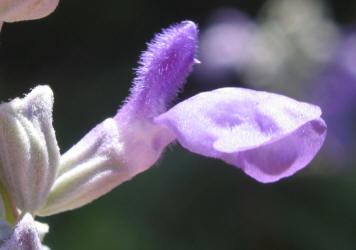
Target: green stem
point(11, 213)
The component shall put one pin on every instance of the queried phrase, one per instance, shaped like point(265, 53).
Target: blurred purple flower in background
point(291, 41)
point(294, 48)
point(335, 92)
point(223, 46)
point(294, 41)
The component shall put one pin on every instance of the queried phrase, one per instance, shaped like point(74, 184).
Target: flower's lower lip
point(249, 129)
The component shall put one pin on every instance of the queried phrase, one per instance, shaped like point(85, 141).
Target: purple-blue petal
point(268, 136)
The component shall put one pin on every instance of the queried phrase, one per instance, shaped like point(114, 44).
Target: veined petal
point(106, 157)
point(29, 154)
point(88, 170)
point(269, 136)
point(19, 10)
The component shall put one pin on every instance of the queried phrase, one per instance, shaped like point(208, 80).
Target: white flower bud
point(29, 155)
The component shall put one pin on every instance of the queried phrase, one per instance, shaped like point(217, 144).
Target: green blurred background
point(86, 51)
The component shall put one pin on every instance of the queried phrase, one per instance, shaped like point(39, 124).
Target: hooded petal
point(29, 154)
point(19, 10)
point(163, 70)
point(269, 136)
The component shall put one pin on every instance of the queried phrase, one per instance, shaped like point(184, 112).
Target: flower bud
point(29, 154)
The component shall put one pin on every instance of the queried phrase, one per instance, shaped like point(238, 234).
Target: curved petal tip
point(268, 136)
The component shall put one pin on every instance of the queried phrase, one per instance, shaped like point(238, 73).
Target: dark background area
point(86, 51)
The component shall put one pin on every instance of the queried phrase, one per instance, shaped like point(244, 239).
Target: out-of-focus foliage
point(86, 53)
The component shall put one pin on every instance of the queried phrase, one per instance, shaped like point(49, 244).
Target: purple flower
point(268, 136)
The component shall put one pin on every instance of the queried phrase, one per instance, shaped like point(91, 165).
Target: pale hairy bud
point(29, 155)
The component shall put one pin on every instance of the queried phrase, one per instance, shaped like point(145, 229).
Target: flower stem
point(11, 213)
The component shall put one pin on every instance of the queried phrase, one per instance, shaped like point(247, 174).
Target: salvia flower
point(268, 136)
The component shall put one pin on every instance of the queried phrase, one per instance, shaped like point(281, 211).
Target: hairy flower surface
point(29, 155)
point(268, 136)
point(123, 146)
